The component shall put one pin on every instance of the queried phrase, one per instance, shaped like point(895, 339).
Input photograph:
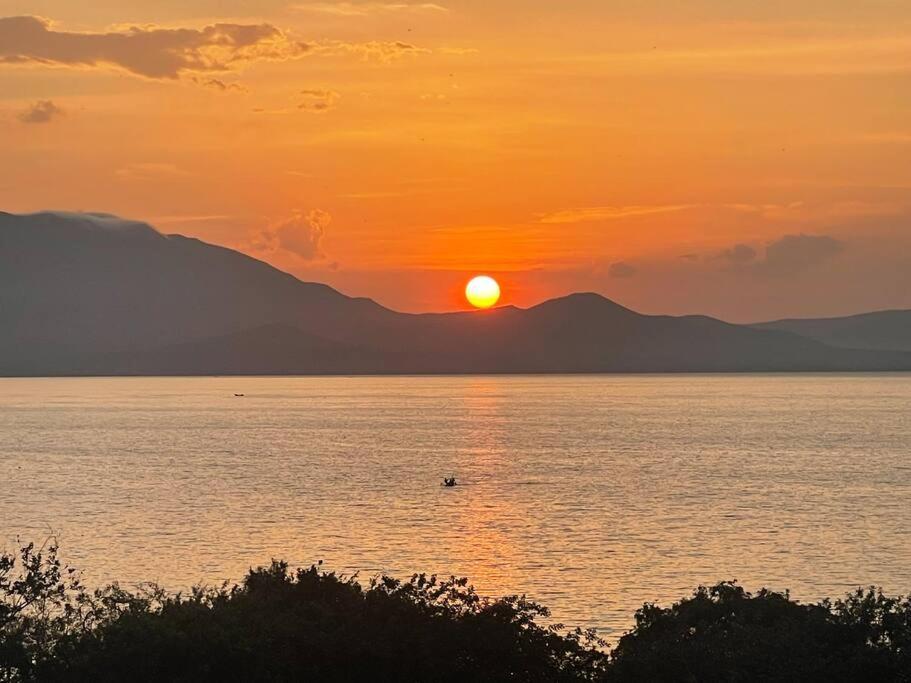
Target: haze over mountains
point(95, 294)
point(880, 330)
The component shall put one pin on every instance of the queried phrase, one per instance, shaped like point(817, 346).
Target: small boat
point(448, 482)
point(238, 394)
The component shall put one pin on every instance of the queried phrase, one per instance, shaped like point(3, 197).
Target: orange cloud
point(621, 269)
point(363, 9)
point(374, 50)
point(43, 111)
point(164, 53)
point(149, 171)
point(317, 100)
point(301, 234)
point(604, 213)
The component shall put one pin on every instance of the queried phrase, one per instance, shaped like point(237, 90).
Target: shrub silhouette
point(724, 633)
point(283, 625)
point(308, 624)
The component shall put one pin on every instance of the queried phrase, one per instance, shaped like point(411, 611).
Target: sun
point(482, 292)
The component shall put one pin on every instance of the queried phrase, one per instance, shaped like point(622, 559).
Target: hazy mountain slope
point(81, 283)
point(881, 330)
point(93, 294)
point(270, 349)
point(588, 333)
point(579, 333)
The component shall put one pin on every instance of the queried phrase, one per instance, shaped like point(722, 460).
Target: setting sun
point(482, 291)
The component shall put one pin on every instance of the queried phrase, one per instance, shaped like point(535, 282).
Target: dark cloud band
point(153, 52)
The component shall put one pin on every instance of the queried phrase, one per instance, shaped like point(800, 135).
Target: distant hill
point(881, 330)
point(72, 285)
point(95, 294)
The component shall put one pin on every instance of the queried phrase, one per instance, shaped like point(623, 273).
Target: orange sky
point(743, 159)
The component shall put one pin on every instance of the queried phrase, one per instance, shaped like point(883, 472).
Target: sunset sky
point(747, 159)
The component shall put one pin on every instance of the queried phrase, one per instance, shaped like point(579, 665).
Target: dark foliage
point(724, 633)
point(281, 625)
point(284, 625)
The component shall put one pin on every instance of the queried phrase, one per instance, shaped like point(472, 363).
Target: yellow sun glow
point(482, 291)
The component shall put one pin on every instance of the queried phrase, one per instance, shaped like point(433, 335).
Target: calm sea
point(592, 494)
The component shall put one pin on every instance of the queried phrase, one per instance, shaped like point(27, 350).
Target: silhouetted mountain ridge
point(88, 283)
point(94, 294)
point(878, 330)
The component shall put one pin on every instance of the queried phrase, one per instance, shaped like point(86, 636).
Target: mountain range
point(93, 294)
point(880, 330)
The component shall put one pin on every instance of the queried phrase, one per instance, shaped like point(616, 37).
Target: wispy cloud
point(787, 255)
point(189, 218)
point(220, 85)
point(379, 194)
point(300, 234)
point(313, 100)
point(592, 214)
point(318, 101)
point(895, 137)
point(362, 9)
point(374, 50)
point(585, 214)
point(153, 52)
point(43, 111)
point(149, 171)
point(739, 254)
point(622, 270)
point(809, 56)
point(794, 253)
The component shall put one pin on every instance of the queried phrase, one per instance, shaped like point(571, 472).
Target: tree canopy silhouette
point(280, 624)
point(724, 633)
point(277, 625)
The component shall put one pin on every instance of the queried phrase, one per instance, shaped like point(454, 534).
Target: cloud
point(377, 194)
point(43, 111)
point(794, 253)
point(793, 56)
point(583, 214)
point(95, 222)
point(219, 85)
point(458, 51)
point(605, 213)
point(621, 269)
point(318, 101)
point(374, 50)
point(153, 52)
point(787, 255)
point(301, 234)
point(896, 137)
point(363, 9)
point(739, 254)
point(314, 100)
point(190, 218)
point(149, 171)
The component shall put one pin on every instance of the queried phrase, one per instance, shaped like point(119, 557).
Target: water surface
point(590, 493)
